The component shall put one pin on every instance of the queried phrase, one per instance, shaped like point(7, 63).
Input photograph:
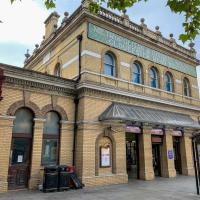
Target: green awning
point(123, 112)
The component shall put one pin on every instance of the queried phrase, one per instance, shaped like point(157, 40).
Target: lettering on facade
point(112, 39)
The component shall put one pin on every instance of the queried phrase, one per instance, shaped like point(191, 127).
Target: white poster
point(20, 158)
point(105, 156)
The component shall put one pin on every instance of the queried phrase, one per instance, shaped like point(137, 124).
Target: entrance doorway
point(132, 155)
point(177, 154)
point(20, 154)
point(156, 159)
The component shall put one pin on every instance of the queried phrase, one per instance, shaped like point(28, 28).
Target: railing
point(106, 14)
point(139, 89)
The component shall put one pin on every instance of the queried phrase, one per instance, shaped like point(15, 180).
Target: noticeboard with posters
point(105, 158)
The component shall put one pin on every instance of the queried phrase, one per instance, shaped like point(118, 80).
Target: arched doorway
point(20, 155)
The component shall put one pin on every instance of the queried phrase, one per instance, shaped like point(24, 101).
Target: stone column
point(35, 174)
point(66, 143)
point(145, 155)
point(167, 163)
point(186, 154)
point(6, 125)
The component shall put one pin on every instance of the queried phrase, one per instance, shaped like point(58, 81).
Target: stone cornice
point(83, 86)
point(113, 20)
point(32, 79)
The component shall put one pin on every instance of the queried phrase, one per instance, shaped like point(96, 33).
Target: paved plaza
point(180, 188)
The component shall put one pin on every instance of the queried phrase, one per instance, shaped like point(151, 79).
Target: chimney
point(51, 24)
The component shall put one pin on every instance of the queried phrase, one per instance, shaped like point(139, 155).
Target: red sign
point(156, 140)
point(177, 133)
point(157, 132)
point(1, 82)
point(133, 129)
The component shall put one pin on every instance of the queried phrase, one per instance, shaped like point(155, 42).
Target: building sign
point(170, 154)
point(133, 129)
point(105, 156)
point(129, 46)
point(157, 132)
point(177, 133)
point(157, 139)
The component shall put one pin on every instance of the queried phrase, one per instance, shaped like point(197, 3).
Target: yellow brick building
point(111, 97)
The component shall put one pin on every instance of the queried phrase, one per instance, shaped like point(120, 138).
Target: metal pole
point(195, 165)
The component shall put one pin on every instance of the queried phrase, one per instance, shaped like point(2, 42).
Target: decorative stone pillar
point(186, 154)
point(66, 143)
point(167, 158)
point(145, 155)
point(6, 125)
point(35, 174)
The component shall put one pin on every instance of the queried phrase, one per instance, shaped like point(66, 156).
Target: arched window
point(109, 64)
point(51, 138)
point(153, 77)
point(137, 73)
point(186, 87)
point(23, 123)
point(168, 82)
point(57, 71)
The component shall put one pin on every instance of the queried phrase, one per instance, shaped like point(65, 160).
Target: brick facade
point(36, 88)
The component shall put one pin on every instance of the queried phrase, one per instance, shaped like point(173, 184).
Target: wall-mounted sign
point(156, 139)
point(170, 154)
point(114, 40)
point(133, 129)
point(105, 156)
point(177, 133)
point(157, 132)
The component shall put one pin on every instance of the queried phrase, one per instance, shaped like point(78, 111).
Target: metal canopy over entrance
point(124, 112)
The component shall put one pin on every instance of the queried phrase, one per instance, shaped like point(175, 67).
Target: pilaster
point(66, 143)
point(167, 161)
point(145, 154)
point(186, 154)
point(6, 125)
point(36, 153)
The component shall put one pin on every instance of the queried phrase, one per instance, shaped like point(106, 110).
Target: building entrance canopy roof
point(123, 112)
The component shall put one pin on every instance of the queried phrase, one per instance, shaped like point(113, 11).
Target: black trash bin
point(64, 178)
point(50, 182)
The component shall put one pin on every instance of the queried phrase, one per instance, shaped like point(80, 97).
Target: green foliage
point(189, 8)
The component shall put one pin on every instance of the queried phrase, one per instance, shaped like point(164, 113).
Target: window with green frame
point(51, 139)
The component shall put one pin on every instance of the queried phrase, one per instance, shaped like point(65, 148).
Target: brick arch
point(19, 104)
point(105, 133)
point(56, 108)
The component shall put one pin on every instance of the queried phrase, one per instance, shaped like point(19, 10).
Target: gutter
point(76, 101)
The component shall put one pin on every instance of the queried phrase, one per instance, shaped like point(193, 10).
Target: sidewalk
point(180, 188)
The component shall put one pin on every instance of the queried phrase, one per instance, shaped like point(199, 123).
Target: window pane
point(52, 124)
point(154, 83)
point(50, 151)
point(136, 73)
point(136, 78)
point(20, 150)
point(23, 122)
point(109, 59)
point(109, 65)
point(168, 82)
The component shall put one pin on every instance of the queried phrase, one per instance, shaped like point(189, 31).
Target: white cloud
point(23, 22)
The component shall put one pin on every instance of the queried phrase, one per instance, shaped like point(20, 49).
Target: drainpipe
point(76, 99)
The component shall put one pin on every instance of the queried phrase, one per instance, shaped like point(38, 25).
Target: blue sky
point(23, 24)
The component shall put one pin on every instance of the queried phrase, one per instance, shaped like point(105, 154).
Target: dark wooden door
point(156, 159)
point(177, 154)
point(19, 169)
